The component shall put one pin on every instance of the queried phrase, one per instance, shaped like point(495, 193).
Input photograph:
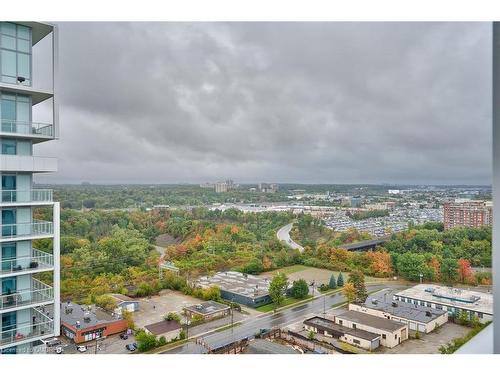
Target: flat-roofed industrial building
point(418, 318)
point(357, 337)
point(241, 288)
point(391, 333)
point(452, 300)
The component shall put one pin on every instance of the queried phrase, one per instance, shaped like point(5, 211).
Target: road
point(283, 318)
point(283, 234)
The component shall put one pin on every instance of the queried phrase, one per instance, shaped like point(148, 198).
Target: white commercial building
point(452, 300)
point(29, 308)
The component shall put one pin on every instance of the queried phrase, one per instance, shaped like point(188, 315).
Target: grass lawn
point(286, 302)
point(319, 275)
point(290, 269)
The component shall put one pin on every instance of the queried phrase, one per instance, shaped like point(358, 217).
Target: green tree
point(357, 279)
point(277, 289)
point(340, 280)
point(145, 341)
point(449, 270)
point(333, 283)
point(300, 289)
point(349, 292)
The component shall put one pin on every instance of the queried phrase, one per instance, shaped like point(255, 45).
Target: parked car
point(81, 348)
point(53, 342)
point(123, 336)
point(131, 347)
point(59, 350)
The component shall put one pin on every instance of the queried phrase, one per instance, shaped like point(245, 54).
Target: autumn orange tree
point(464, 271)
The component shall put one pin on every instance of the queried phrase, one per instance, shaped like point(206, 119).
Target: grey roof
point(260, 346)
point(237, 282)
point(163, 327)
point(330, 326)
point(473, 299)
point(123, 298)
point(404, 310)
point(86, 316)
point(207, 308)
point(370, 320)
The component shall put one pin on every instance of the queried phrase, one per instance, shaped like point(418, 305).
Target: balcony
point(39, 293)
point(40, 327)
point(20, 163)
point(17, 197)
point(26, 231)
point(39, 261)
point(31, 130)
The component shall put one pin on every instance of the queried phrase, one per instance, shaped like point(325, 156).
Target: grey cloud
point(286, 102)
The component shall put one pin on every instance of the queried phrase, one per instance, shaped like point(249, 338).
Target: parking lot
point(152, 310)
point(429, 343)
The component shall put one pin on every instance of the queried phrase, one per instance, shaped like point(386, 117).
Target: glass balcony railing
point(27, 128)
point(39, 261)
point(27, 331)
point(26, 196)
point(33, 229)
point(38, 293)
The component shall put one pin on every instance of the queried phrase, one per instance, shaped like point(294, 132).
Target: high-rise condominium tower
point(29, 276)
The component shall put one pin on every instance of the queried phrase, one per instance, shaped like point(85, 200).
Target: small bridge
point(365, 245)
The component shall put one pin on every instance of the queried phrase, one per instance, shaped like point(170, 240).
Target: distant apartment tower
point(472, 214)
point(29, 308)
point(268, 188)
point(224, 187)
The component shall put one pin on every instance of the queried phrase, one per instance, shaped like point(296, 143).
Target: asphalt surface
point(283, 318)
point(283, 234)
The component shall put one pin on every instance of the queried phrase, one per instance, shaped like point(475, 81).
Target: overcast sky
point(276, 102)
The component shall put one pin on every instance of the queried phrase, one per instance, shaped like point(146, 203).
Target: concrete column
point(57, 269)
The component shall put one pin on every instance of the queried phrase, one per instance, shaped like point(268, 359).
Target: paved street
point(283, 234)
point(283, 318)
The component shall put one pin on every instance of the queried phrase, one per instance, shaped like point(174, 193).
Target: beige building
point(391, 333)
point(356, 337)
point(207, 310)
point(417, 318)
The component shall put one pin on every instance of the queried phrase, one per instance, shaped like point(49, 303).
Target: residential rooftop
point(332, 327)
point(403, 310)
point(85, 316)
point(162, 327)
point(207, 308)
point(448, 296)
point(237, 282)
point(370, 320)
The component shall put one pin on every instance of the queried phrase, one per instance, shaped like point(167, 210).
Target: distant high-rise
point(471, 214)
point(29, 308)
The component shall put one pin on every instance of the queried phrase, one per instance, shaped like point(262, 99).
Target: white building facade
point(29, 307)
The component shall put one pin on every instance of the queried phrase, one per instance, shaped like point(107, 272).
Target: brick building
point(472, 214)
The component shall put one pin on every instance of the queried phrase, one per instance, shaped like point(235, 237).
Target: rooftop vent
point(86, 319)
point(374, 301)
point(428, 313)
point(394, 304)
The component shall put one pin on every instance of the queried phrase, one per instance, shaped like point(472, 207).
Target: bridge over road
point(365, 245)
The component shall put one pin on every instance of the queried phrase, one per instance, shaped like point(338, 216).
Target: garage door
point(421, 327)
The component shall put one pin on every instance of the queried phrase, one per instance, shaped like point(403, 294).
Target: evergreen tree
point(333, 283)
point(340, 280)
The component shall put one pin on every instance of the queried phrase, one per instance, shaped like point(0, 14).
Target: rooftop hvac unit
point(394, 304)
point(428, 313)
point(86, 319)
point(374, 301)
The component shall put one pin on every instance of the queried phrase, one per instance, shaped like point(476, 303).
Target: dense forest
point(113, 251)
